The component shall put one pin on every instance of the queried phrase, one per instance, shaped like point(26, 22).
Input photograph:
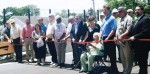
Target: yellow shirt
point(15, 32)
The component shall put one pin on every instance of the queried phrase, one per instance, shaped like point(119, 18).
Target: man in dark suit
point(140, 30)
point(79, 33)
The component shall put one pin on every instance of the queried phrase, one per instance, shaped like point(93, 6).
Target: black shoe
point(59, 64)
point(62, 65)
point(72, 65)
point(119, 60)
point(16, 60)
point(75, 66)
point(32, 60)
point(39, 64)
point(20, 62)
point(28, 61)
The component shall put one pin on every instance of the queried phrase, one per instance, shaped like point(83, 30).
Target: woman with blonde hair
point(92, 28)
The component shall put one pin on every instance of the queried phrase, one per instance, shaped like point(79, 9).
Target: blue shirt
point(43, 27)
point(108, 24)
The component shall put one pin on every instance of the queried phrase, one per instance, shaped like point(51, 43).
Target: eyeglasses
point(129, 12)
point(13, 23)
point(120, 11)
point(115, 13)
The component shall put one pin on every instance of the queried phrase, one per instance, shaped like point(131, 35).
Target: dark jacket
point(81, 31)
point(140, 30)
point(95, 29)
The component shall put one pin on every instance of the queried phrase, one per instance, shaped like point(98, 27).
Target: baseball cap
point(129, 10)
point(11, 21)
point(114, 10)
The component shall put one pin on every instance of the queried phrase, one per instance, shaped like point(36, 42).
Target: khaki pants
point(60, 50)
point(87, 61)
point(29, 48)
point(126, 55)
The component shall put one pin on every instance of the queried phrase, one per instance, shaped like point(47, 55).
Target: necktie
point(76, 28)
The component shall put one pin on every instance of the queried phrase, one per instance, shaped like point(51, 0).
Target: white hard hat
point(114, 11)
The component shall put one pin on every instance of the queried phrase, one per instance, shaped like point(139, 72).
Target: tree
point(63, 13)
point(23, 11)
point(1, 19)
point(34, 11)
point(147, 10)
point(73, 14)
point(117, 3)
point(129, 4)
point(90, 11)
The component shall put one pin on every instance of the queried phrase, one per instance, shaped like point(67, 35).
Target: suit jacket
point(81, 31)
point(140, 30)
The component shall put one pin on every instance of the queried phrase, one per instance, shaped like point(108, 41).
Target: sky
point(54, 5)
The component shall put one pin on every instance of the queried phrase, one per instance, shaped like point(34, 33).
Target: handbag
point(40, 43)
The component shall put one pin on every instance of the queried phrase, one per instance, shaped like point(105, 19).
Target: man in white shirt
point(71, 21)
point(16, 37)
point(59, 31)
point(50, 43)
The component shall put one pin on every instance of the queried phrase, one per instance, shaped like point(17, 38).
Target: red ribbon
point(97, 41)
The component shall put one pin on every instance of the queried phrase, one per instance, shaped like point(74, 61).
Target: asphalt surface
point(32, 68)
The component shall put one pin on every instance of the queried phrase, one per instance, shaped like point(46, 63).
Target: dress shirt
point(44, 27)
point(15, 31)
point(27, 31)
point(58, 30)
point(69, 28)
point(108, 24)
point(49, 30)
point(124, 25)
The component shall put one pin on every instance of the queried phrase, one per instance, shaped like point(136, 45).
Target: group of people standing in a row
point(51, 34)
point(121, 25)
point(118, 25)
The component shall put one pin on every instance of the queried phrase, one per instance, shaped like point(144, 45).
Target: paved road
point(32, 68)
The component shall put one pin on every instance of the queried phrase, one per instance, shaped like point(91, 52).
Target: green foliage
point(22, 11)
point(1, 20)
point(34, 11)
point(116, 3)
point(147, 10)
point(73, 14)
point(64, 13)
point(90, 11)
point(129, 4)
